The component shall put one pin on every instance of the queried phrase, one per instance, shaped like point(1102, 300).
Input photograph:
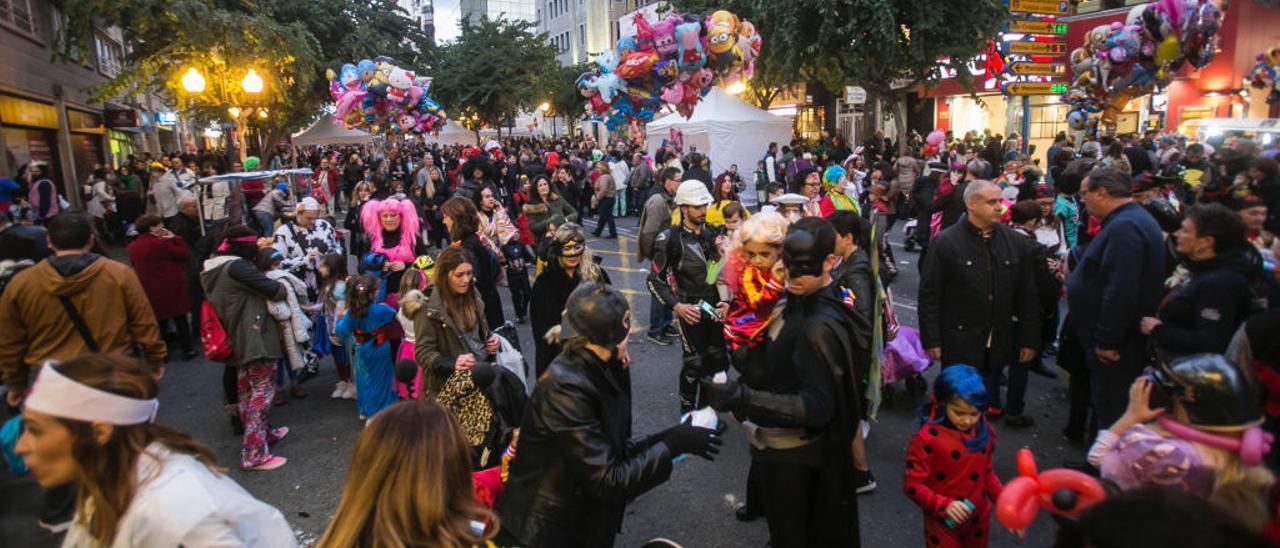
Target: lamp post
point(194, 84)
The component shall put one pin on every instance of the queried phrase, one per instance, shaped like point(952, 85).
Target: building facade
point(47, 112)
point(523, 10)
point(423, 12)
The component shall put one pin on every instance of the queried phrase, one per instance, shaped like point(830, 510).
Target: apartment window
point(17, 14)
point(59, 27)
point(110, 55)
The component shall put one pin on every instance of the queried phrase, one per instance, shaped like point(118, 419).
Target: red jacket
point(161, 265)
point(332, 188)
point(941, 470)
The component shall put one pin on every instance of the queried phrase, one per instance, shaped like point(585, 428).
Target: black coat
point(1204, 313)
point(577, 466)
point(550, 292)
point(971, 290)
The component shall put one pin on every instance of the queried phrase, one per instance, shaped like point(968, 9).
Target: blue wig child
point(948, 468)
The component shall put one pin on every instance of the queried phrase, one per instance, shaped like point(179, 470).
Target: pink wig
point(369, 218)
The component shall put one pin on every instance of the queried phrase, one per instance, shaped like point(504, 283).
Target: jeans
point(266, 223)
point(659, 317)
point(620, 204)
point(605, 210)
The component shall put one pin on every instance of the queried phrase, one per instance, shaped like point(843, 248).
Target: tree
point(565, 100)
point(288, 42)
point(494, 70)
point(888, 47)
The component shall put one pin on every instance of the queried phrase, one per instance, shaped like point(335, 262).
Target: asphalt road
point(695, 508)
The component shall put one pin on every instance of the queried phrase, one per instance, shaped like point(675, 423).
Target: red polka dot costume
point(941, 470)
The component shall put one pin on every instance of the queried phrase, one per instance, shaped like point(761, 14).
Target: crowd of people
point(1145, 265)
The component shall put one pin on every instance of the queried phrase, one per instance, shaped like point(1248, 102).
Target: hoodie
point(106, 293)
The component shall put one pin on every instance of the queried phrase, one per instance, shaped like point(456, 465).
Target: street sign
point(1034, 88)
point(1027, 68)
point(1038, 48)
point(1043, 7)
point(1038, 27)
point(855, 95)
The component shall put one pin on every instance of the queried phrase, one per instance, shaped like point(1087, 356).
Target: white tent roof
point(326, 131)
point(727, 130)
point(452, 133)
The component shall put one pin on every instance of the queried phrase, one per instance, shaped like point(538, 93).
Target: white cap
point(791, 198)
point(693, 192)
point(309, 204)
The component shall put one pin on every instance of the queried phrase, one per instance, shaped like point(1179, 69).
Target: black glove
point(483, 374)
point(694, 440)
point(723, 396)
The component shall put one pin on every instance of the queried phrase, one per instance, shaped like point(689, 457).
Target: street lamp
point(192, 81)
point(252, 83)
point(545, 106)
point(235, 113)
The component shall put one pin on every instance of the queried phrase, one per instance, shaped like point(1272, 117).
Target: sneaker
point(269, 464)
point(1019, 421)
point(338, 390)
point(863, 481)
point(661, 339)
point(350, 392)
point(671, 331)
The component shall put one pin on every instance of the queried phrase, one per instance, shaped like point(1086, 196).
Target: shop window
point(1047, 120)
point(18, 15)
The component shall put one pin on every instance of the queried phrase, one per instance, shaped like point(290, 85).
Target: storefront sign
point(1027, 68)
point(1023, 47)
point(166, 118)
point(1043, 7)
point(1197, 111)
point(1038, 27)
point(855, 95)
point(21, 112)
point(122, 117)
point(1034, 88)
point(84, 122)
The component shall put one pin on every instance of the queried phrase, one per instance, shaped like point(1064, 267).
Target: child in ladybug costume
point(948, 469)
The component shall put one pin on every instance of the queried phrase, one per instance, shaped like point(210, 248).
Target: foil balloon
point(1120, 61)
point(1266, 73)
point(379, 96)
point(674, 61)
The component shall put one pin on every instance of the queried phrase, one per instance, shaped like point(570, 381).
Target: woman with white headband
point(91, 420)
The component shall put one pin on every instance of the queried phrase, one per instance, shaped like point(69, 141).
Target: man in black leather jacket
point(977, 277)
point(577, 466)
point(805, 399)
point(681, 257)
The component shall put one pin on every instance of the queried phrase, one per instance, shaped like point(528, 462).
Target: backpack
point(213, 338)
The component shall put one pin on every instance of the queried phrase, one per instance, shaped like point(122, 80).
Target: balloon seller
point(949, 462)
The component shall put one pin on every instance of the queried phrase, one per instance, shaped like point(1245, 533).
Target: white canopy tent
point(327, 131)
point(453, 133)
point(727, 130)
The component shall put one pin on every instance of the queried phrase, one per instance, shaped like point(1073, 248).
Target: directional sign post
point(1023, 47)
point(1034, 88)
point(1043, 7)
point(1027, 26)
point(1027, 68)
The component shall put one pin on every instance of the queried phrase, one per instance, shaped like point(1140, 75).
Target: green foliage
point(495, 69)
point(562, 89)
point(288, 43)
point(863, 42)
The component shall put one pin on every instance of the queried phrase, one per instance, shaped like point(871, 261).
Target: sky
point(447, 14)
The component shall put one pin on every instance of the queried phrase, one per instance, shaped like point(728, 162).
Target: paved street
point(695, 508)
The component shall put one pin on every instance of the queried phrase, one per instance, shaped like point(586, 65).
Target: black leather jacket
point(680, 258)
point(577, 466)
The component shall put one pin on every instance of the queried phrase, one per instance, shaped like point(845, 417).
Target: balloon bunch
point(377, 96)
point(1120, 61)
point(673, 61)
point(1059, 491)
point(1266, 73)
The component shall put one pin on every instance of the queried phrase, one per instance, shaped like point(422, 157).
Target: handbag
point(511, 360)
